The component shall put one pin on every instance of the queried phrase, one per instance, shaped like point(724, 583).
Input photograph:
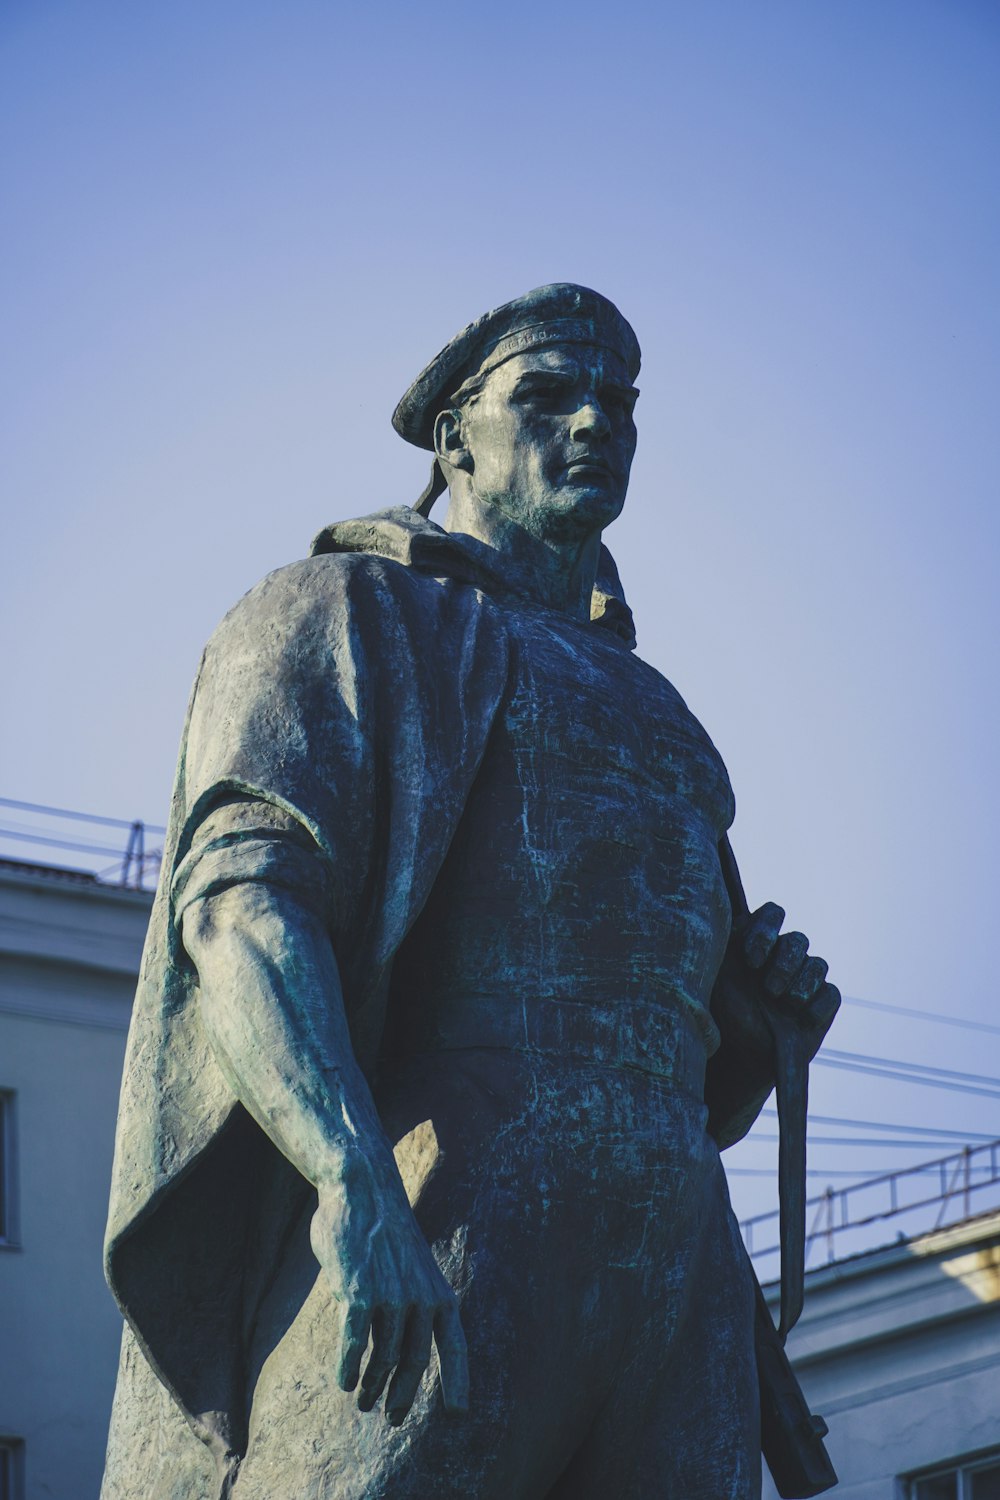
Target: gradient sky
point(233, 231)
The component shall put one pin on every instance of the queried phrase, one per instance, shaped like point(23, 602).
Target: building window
point(978, 1479)
point(9, 1227)
point(11, 1469)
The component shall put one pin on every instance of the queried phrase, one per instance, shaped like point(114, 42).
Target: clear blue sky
point(233, 231)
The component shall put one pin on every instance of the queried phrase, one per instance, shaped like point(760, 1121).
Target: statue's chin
point(574, 509)
point(591, 504)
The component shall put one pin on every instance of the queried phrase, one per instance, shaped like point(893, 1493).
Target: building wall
point(69, 953)
point(900, 1351)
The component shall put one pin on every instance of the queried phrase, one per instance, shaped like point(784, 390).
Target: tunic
point(511, 824)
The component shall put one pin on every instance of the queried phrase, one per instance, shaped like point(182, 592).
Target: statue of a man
point(430, 1006)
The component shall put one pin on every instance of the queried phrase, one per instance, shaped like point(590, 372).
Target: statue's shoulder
point(374, 576)
point(316, 576)
point(306, 593)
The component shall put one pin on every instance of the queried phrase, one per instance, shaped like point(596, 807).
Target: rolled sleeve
point(248, 840)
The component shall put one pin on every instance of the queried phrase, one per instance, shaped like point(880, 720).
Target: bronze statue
point(444, 1013)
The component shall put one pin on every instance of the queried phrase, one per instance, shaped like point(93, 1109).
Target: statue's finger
point(414, 1359)
point(453, 1358)
point(809, 979)
point(369, 1394)
point(762, 933)
point(387, 1335)
point(354, 1342)
point(824, 1006)
point(787, 957)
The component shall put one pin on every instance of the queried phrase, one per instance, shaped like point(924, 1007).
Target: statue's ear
point(449, 441)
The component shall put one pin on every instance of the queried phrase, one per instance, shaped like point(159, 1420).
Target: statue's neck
point(557, 572)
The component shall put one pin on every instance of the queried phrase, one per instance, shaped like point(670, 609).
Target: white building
point(899, 1349)
point(69, 955)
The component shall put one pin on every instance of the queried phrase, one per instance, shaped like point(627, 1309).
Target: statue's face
point(551, 438)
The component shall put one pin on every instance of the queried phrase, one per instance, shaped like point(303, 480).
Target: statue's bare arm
point(271, 1003)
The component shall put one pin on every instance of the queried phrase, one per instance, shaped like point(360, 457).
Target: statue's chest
point(587, 725)
point(586, 860)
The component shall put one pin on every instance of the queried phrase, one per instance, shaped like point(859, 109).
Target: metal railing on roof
point(922, 1198)
point(127, 862)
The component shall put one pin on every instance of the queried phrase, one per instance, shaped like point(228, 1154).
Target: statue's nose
point(591, 420)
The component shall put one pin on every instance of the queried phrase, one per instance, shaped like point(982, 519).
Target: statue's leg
point(704, 1421)
point(531, 1181)
point(683, 1421)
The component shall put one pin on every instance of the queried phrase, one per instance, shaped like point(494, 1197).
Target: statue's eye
point(542, 392)
point(618, 401)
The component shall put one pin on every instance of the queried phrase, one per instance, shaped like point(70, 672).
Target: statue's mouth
point(581, 467)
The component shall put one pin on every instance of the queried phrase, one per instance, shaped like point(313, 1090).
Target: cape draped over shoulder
point(355, 692)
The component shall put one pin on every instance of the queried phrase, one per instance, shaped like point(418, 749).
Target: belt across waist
point(656, 1039)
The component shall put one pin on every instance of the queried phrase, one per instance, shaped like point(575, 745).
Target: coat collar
point(404, 536)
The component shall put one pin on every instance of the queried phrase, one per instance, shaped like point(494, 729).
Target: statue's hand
point(388, 1286)
point(788, 975)
point(763, 968)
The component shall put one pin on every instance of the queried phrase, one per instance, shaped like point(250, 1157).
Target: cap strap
point(435, 486)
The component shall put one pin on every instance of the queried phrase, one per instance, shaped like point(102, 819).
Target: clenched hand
point(787, 972)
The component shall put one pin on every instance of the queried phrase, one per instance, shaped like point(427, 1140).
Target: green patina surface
point(444, 1015)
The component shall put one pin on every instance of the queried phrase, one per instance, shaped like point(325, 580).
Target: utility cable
point(922, 1130)
point(65, 812)
point(928, 1069)
point(900, 1077)
point(839, 1140)
point(922, 1015)
point(862, 1178)
point(51, 843)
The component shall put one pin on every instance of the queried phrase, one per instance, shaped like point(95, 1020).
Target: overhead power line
point(80, 817)
point(897, 1075)
point(923, 1015)
point(927, 1069)
point(861, 1177)
point(921, 1130)
point(770, 1172)
point(936, 1144)
point(51, 843)
point(867, 1176)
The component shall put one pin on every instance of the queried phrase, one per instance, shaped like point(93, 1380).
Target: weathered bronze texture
point(448, 1006)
